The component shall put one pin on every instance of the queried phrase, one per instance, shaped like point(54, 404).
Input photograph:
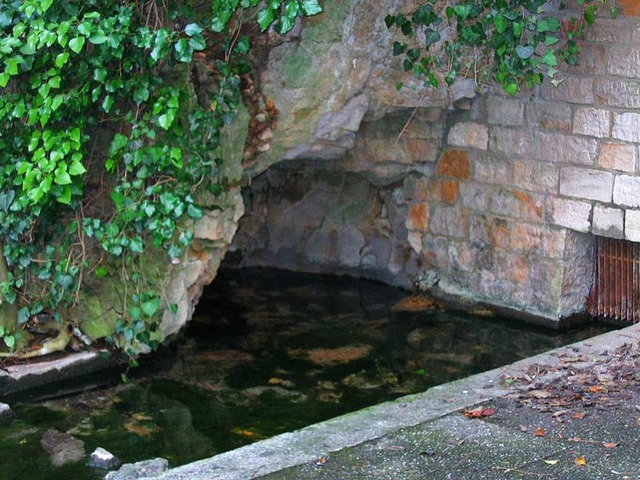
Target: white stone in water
point(4, 409)
point(102, 458)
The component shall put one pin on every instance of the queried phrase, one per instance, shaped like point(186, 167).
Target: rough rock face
point(337, 72)
point(62, 447)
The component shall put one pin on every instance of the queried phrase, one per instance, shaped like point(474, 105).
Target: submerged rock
point(104, 459)
point(5, 410)
point(146, 468)
point(62, 447)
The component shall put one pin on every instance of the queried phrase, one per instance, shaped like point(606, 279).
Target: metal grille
point(615, 292)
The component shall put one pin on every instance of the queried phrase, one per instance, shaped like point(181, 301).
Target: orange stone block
point(449, 191)
point(454, 163)
point(630, 7)
point(418, 217)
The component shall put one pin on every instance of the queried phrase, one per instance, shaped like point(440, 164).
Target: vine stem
point(408, 122)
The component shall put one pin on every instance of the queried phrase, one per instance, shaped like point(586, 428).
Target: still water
point(268, 352)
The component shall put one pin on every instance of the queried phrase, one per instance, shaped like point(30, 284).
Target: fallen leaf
point(523, 428)
point(596, 388)
point(455, 441)
point(610, 444)
point(559, 413)
point(539, 432)
point(479, 412)
point(574, 439)
point(539, 394)
point(580, 460)
point(551, 462)
point(578, 415)
point(321, 461)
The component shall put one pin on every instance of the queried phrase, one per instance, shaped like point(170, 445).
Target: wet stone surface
point(269, 352)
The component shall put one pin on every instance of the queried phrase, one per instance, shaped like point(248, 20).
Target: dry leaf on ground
point(479, 412)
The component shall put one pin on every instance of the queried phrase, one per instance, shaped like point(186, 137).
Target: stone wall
point(499, 196)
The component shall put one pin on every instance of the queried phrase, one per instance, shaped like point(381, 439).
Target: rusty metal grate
point(615, 291)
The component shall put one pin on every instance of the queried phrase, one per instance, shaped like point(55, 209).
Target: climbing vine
point(524, 41)
point(106, 143)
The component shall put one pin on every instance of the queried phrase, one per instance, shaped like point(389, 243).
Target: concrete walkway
point(518, 432)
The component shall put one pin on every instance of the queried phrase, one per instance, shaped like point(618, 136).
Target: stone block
point(608, 30)
point(469, 134)
point(618, 156)
point(511, 142)
point(449, 222)
point(591, 59)
point(462, 256)
point(560, 148)
point(489, 169)
point(535, 176)
point(617, 92)
point(552, 116)
point(624, 61)
point(476, 196)
point(571, 90)
point(626, 191)
point(517, 268)
point(418, 218)
point(537, 240)
point(486, 230)
point(454, 163)
point(422, 150)
point(632, 225)
point(517, 204)
point(449, 191)
point(586, 184)
point(572, 214)
point(505, 111)
point(630, 8)
point(608, 222)
point(594, 122)
point(626, 126)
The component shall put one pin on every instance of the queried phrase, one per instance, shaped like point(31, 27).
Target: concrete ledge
point(315, 441)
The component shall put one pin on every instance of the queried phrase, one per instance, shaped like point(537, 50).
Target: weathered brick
point(538, 240)
point(454, 163)
point(517, 268)
point(553, 116)
point(476, 196)
point(559, 148)
point(571, 90)
point(608, 222)
point(469, 134)
point(517, 204)
point(462, 256)
point(630, 7)
point(422, 150)
point(505, 111)
point(449, 221)
point(511, 142)
point(632, 225)
point(594, 122)
point(418, 218)
point(618, 156)
point(624, 61)
point(626, 126)
point(617, 93)
point(489, 169)
point(572, 214)
point(486, 230)
point(608, 30)
point(592, 58)
point(536, 176)
point(449, 191)
point(586, 183)
point(626, 191)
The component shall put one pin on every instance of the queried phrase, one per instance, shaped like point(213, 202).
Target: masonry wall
point(524, 182)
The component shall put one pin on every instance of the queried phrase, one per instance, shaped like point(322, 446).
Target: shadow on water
point(268, 352)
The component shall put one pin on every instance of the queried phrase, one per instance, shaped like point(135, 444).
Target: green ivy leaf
point(511, 88)
point(193, 29)
point(76, 44)
point(151, 307)
point(524, 52)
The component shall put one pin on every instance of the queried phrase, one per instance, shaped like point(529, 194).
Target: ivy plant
point(105, 142)
point(522, 39)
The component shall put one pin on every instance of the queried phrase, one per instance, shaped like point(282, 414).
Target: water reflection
point(268, 352)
